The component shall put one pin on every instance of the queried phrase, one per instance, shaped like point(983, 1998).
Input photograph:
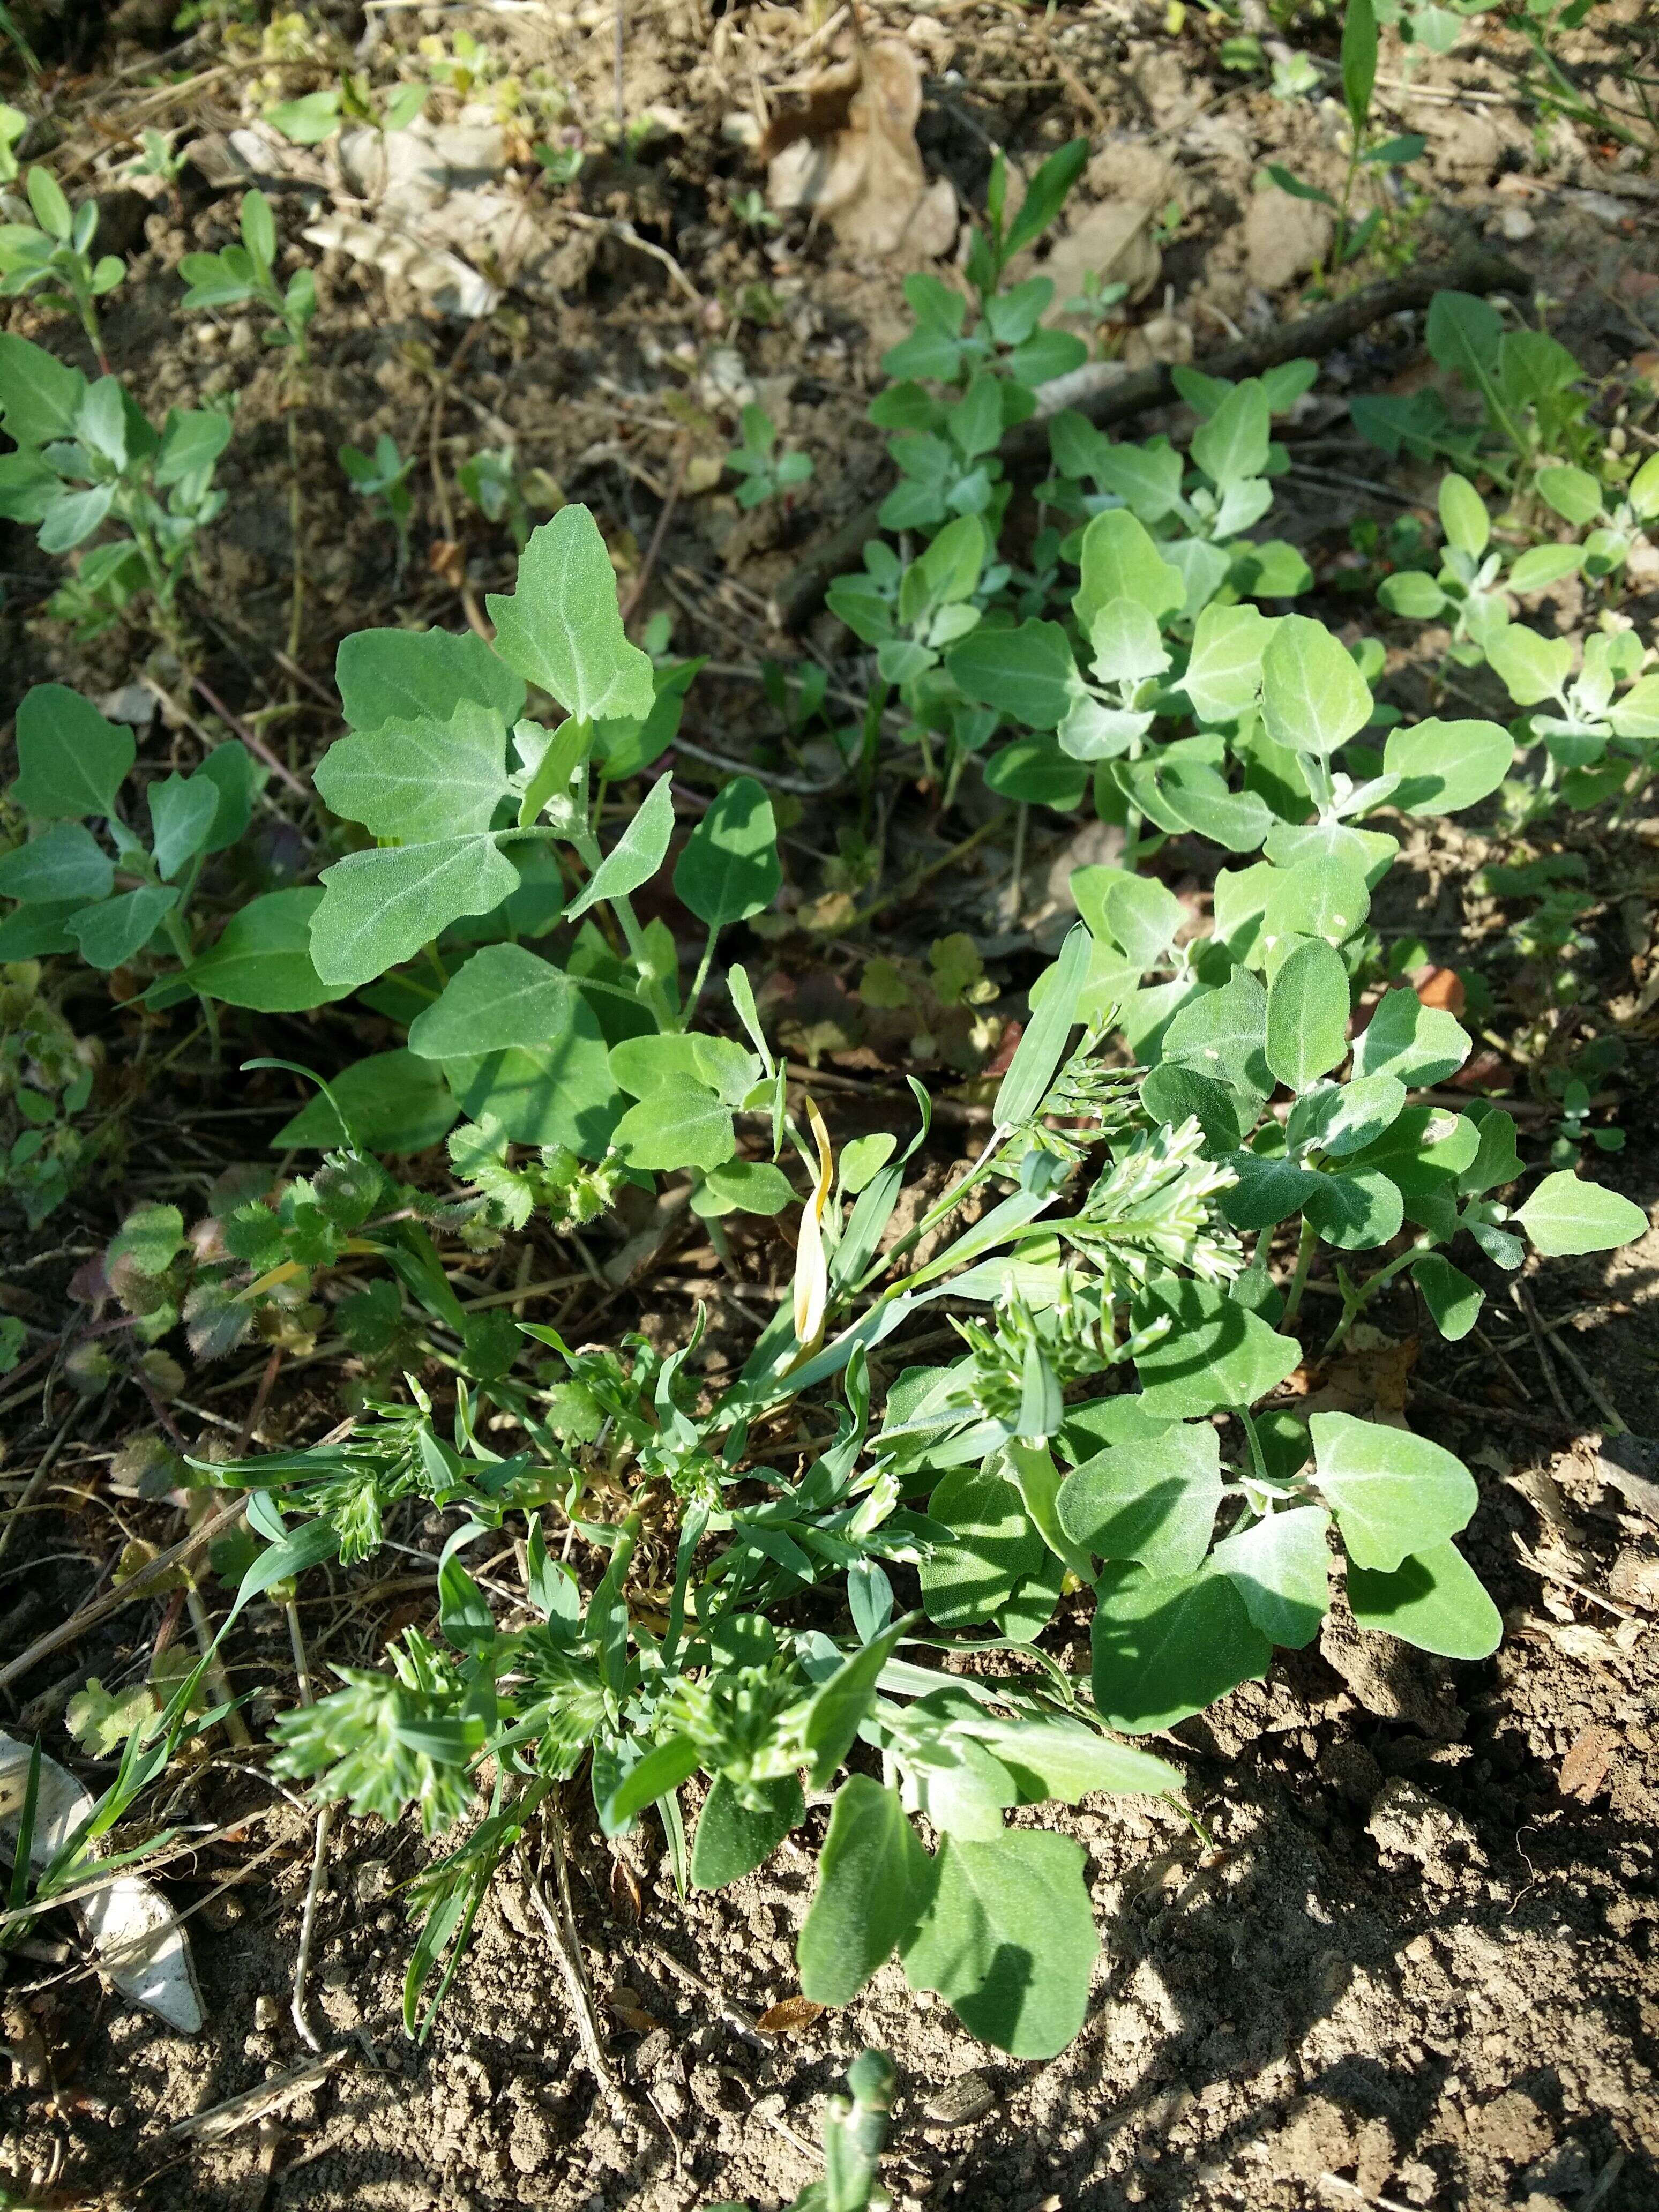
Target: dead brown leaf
point(848, 153)
point(1368, 1380)
point(626, 2004)
point(788, 2016)
point(1440, 987)
point(1589, 1756)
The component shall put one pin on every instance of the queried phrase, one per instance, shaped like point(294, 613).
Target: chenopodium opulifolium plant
point(52, 257)
point(1532, 393)
point(87, 455)
point(1470, 591)
point(1114, 1434)
point(85, 880)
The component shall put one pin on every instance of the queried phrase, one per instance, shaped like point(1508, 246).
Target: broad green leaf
point(1463, 516)
point(72, 762)
point(1153, 1501)
point(1057, 1759)
point(563, 629)
point(1355, 1210)
point(1434, 1599)
point(111, 934)
point(1463, 333)
point(505, 996)
point(182, 813)
point(421, 780)
point(39, 395)
point(1346, 1117)
point(1162, 1649)
point(1324, 896)
point(637, 853)
point(380, 908)
point(1270, 1189)
point(1233, 444)
point(1497, 1157)
point(874, 1880)
point(229, 769)
point(1119, 561)
point(1531, 668)
point(1213, 1351)
point(836, 1713)
point(1042, 1048)
point(1540, 566)
point(1027, 674)
point(1137, 912)
point(1444, 767)
point(730, 868)
point(556, 1094)
point(743, 1187)
point(1450, 1296)
point(1393, 1492)
point(1281, 1569)
point(1421, 1045)
point(993, 1546)
point(1223, 671)
point(1125, 645)
point(1008, 1939)
point(65, 862)
point(1035, 771)
point(1199, 799)
point(74, 517)
point(1313, 697)
point(687, 1127)
point(1222, 1034)
point(1566, 1215)
point(394, 1101)
point(1308, 1014)
point(733, 1837)
point(421, 676)
point(262, 958)
point(1573, 493)
point(1358, 59)
point(658, 1774)
point(1637, 715)
point(1423, 1149)
point(1173, 1093)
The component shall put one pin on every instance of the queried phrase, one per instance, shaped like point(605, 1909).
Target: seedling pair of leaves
point(87, 455)
point(766, 472)
point(247, 272)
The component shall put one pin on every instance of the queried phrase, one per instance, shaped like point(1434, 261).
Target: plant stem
point(1304, 1252)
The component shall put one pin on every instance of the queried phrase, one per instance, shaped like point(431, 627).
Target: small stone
point(266, 2011)
point(1516, 224)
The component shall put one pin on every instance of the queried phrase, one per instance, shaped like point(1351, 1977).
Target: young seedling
point(52, 257)
point(766, 473)
point(382, 478)
point(86, 457)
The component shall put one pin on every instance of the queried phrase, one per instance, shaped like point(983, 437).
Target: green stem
point(1355, 1301)
point(1304, 1252)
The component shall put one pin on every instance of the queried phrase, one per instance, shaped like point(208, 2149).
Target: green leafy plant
point(382, 478)
point(86, 457)
point(13, 124)
point(1370, 157)
point(766, 473)
point(52, 257)
point(122, 900)
point(246, 272)
point(1530, 386)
